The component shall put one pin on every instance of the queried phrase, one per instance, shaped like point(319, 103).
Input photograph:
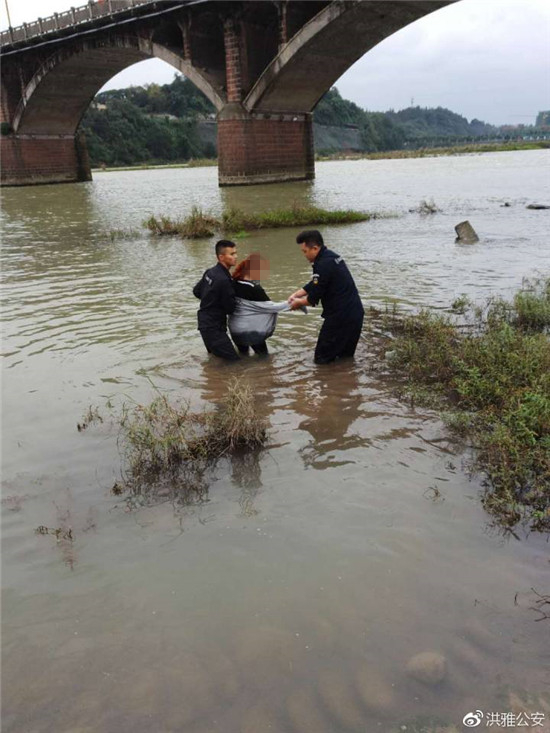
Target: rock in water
point(537, 206)
point(374, 691)
point(427, 667)
point(340, 701)
point(465, 233)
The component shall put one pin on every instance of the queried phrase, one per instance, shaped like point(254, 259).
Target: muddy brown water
point(292, 599)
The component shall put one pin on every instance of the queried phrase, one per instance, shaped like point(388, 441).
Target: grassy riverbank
point(419, 153)
point(193, 163)
point(490, 377)
point(199, 224)
point(433, 152)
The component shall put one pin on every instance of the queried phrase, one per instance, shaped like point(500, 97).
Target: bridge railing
point(67, 19)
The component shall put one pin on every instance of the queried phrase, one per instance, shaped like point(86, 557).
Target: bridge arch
point(325, 48)
point(58, 95)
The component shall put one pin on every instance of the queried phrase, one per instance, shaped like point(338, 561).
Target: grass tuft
point(425, 208)
point(161, 225)
point(90, 417)
point(117, 234)
point(195, 226)
point(167, 445)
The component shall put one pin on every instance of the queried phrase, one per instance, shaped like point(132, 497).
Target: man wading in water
point(217, 295)
point(333, 285)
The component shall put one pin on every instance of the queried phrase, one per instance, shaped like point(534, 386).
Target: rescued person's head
point(311, 243)
point(226, 253)
point(253, 267)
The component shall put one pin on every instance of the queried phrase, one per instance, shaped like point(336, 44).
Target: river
point(292, 599)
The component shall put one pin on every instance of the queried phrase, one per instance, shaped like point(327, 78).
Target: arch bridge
point(264, 64)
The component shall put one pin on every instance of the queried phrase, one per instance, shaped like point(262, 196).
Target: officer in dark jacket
point(332, 285)
point(217, 295)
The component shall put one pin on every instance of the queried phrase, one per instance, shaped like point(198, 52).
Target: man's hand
point(298, 294)
point(296, 303)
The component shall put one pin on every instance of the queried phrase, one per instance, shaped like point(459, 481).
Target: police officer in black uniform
point(216, 291)
point(333, 285)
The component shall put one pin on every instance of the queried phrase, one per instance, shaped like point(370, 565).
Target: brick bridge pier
point(264, 64)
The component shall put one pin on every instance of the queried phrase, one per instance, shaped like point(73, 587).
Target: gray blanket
point(253, 322)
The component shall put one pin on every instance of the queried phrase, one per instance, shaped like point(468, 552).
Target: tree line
point(160, 124)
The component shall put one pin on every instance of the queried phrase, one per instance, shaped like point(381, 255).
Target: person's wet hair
point(222, 245)
point(310, 238)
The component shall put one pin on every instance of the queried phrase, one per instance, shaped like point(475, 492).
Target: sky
point(488, 59)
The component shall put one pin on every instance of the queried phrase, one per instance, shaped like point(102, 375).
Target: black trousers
point(217, 342)
point(260, 349)
point(337, 339)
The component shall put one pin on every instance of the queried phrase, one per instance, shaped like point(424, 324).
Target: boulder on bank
point(465, 233)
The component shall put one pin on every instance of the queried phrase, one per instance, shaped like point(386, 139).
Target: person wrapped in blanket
point(255, 316)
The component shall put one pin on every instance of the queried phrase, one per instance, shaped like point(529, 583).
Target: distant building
point(163, 116)
point(543, 119)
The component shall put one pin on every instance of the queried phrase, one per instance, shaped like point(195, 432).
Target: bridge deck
point(68, 19)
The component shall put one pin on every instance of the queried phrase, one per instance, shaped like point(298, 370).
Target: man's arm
point(197, 289)
point(317, 287)
point(298, 294)
point(227, 296)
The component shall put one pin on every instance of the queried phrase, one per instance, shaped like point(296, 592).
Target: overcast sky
point(488, 59)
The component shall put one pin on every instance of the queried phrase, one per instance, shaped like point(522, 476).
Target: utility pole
point(8, 12)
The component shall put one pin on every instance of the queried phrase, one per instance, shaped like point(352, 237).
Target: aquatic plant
point(491, 374)
point(426, 207)
point(117, 234)
point(195, 226)
point(200, 225)
point(167, 444)
point(461, 304)
point(532, 306)
point(234, 220)
point(90, 416)
point(162, 225)
point(60, 533)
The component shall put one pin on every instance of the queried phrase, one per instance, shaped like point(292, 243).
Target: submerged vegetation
point(198, 224)
point(118, 234)
point(425, 208)
point(168, 448)
point(491, 375)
